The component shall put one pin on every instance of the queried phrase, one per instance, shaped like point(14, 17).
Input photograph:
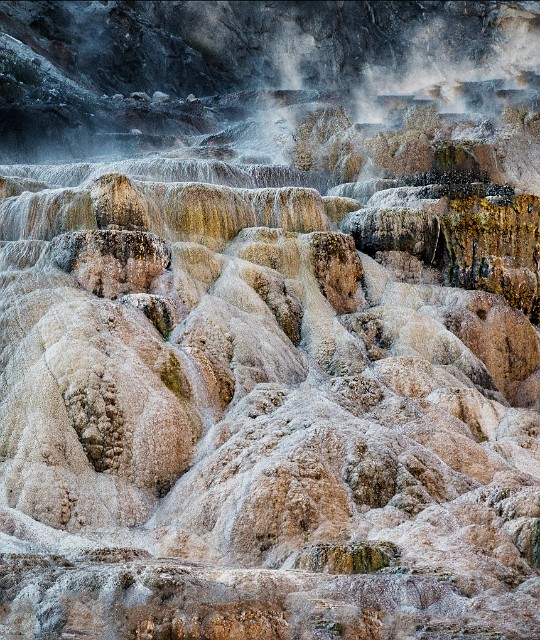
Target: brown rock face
point(112, 263)
point(338, 269)
point(402, 152)
point(118, 204)
point(228, 622)
point(495, 247)
point(501, 337)
point(477, 243)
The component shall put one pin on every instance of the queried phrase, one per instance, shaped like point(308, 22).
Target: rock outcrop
point(488, 243)
point(112, 263)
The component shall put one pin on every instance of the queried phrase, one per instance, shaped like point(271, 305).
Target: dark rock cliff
point(101, 49)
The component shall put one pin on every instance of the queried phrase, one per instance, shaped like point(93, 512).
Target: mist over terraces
point(269, 306)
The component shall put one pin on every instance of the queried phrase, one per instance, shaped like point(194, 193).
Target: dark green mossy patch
point(354, 557)
point(174, 378)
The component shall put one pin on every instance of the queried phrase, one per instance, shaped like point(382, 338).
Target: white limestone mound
point(199, 373)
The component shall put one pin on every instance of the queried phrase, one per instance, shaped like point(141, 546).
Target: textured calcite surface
point(269, 350)
point(212, 375)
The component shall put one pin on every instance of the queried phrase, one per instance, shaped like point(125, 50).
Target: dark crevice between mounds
point(159, 310)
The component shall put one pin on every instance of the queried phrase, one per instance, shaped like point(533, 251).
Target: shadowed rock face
point(160, 311)
point(130, 31)
point(414, 232)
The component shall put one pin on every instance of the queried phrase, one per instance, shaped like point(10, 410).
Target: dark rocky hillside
point(102, 49)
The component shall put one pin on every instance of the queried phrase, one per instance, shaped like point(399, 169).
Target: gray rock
point(413, 231)
point(140, 96)
point(159, 97)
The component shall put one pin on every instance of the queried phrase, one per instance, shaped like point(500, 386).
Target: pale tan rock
point(404, 267)
point(413, 376)
point(85, 450)
point(336, 207)
point(281, 296)
point(274, 248)
point(528, 392)
point(161, 312)
point(193, 270)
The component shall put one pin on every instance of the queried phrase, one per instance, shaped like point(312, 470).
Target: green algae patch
point(494, 245)
point(332, 627)
point(355, 557)
point(174, 378)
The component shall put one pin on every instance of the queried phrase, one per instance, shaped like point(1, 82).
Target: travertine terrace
point(268, 370)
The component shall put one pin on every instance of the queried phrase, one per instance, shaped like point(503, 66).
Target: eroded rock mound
point(112, 263)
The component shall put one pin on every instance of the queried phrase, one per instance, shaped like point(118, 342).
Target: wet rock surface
point(269, 354)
